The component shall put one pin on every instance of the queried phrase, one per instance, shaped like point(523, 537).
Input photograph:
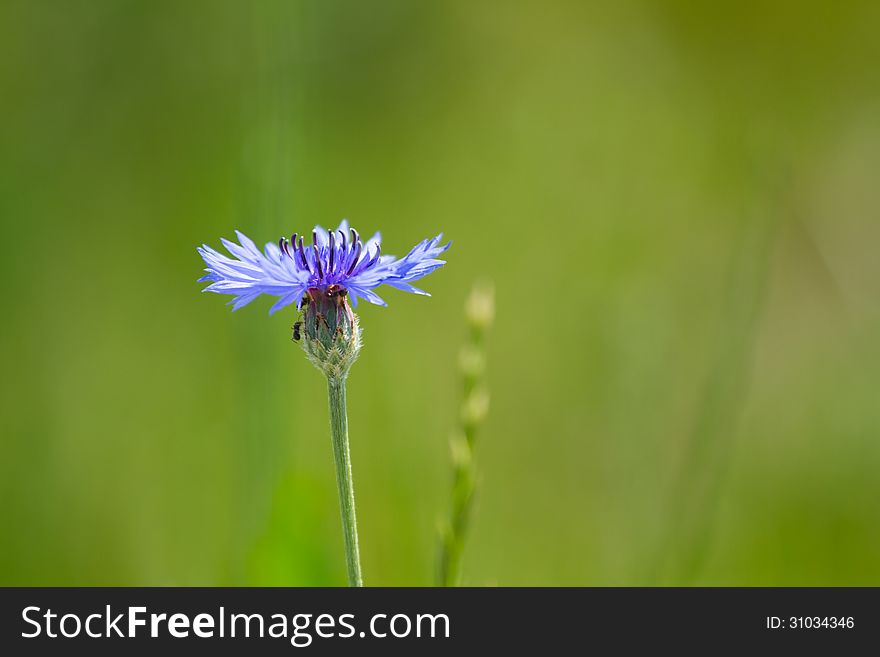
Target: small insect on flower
point(296, 334)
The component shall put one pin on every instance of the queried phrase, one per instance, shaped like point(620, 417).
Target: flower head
point(335, 263)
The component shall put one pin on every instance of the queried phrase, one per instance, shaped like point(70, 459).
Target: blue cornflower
point(335, 263)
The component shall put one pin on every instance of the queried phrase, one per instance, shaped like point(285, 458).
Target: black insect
point(336, 291)
point(296, 331)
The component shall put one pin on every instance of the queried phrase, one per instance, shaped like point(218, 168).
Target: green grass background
point(677, 202)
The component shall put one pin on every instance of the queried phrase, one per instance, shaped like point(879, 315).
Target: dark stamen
point(332, 251)
point(282, 244)
point(368, 261)
point(357, 254)
point(343, 252)
point(302, 255)
point(318, 261)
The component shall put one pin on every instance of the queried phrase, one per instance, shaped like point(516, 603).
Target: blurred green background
point(678, 205)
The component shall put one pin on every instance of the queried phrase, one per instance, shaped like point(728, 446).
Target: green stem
point(452, 545)
point(339, 435)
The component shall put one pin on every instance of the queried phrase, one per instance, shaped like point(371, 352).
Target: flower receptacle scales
point(331, 334)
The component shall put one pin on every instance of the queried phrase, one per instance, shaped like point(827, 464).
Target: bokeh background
point(677, 202)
